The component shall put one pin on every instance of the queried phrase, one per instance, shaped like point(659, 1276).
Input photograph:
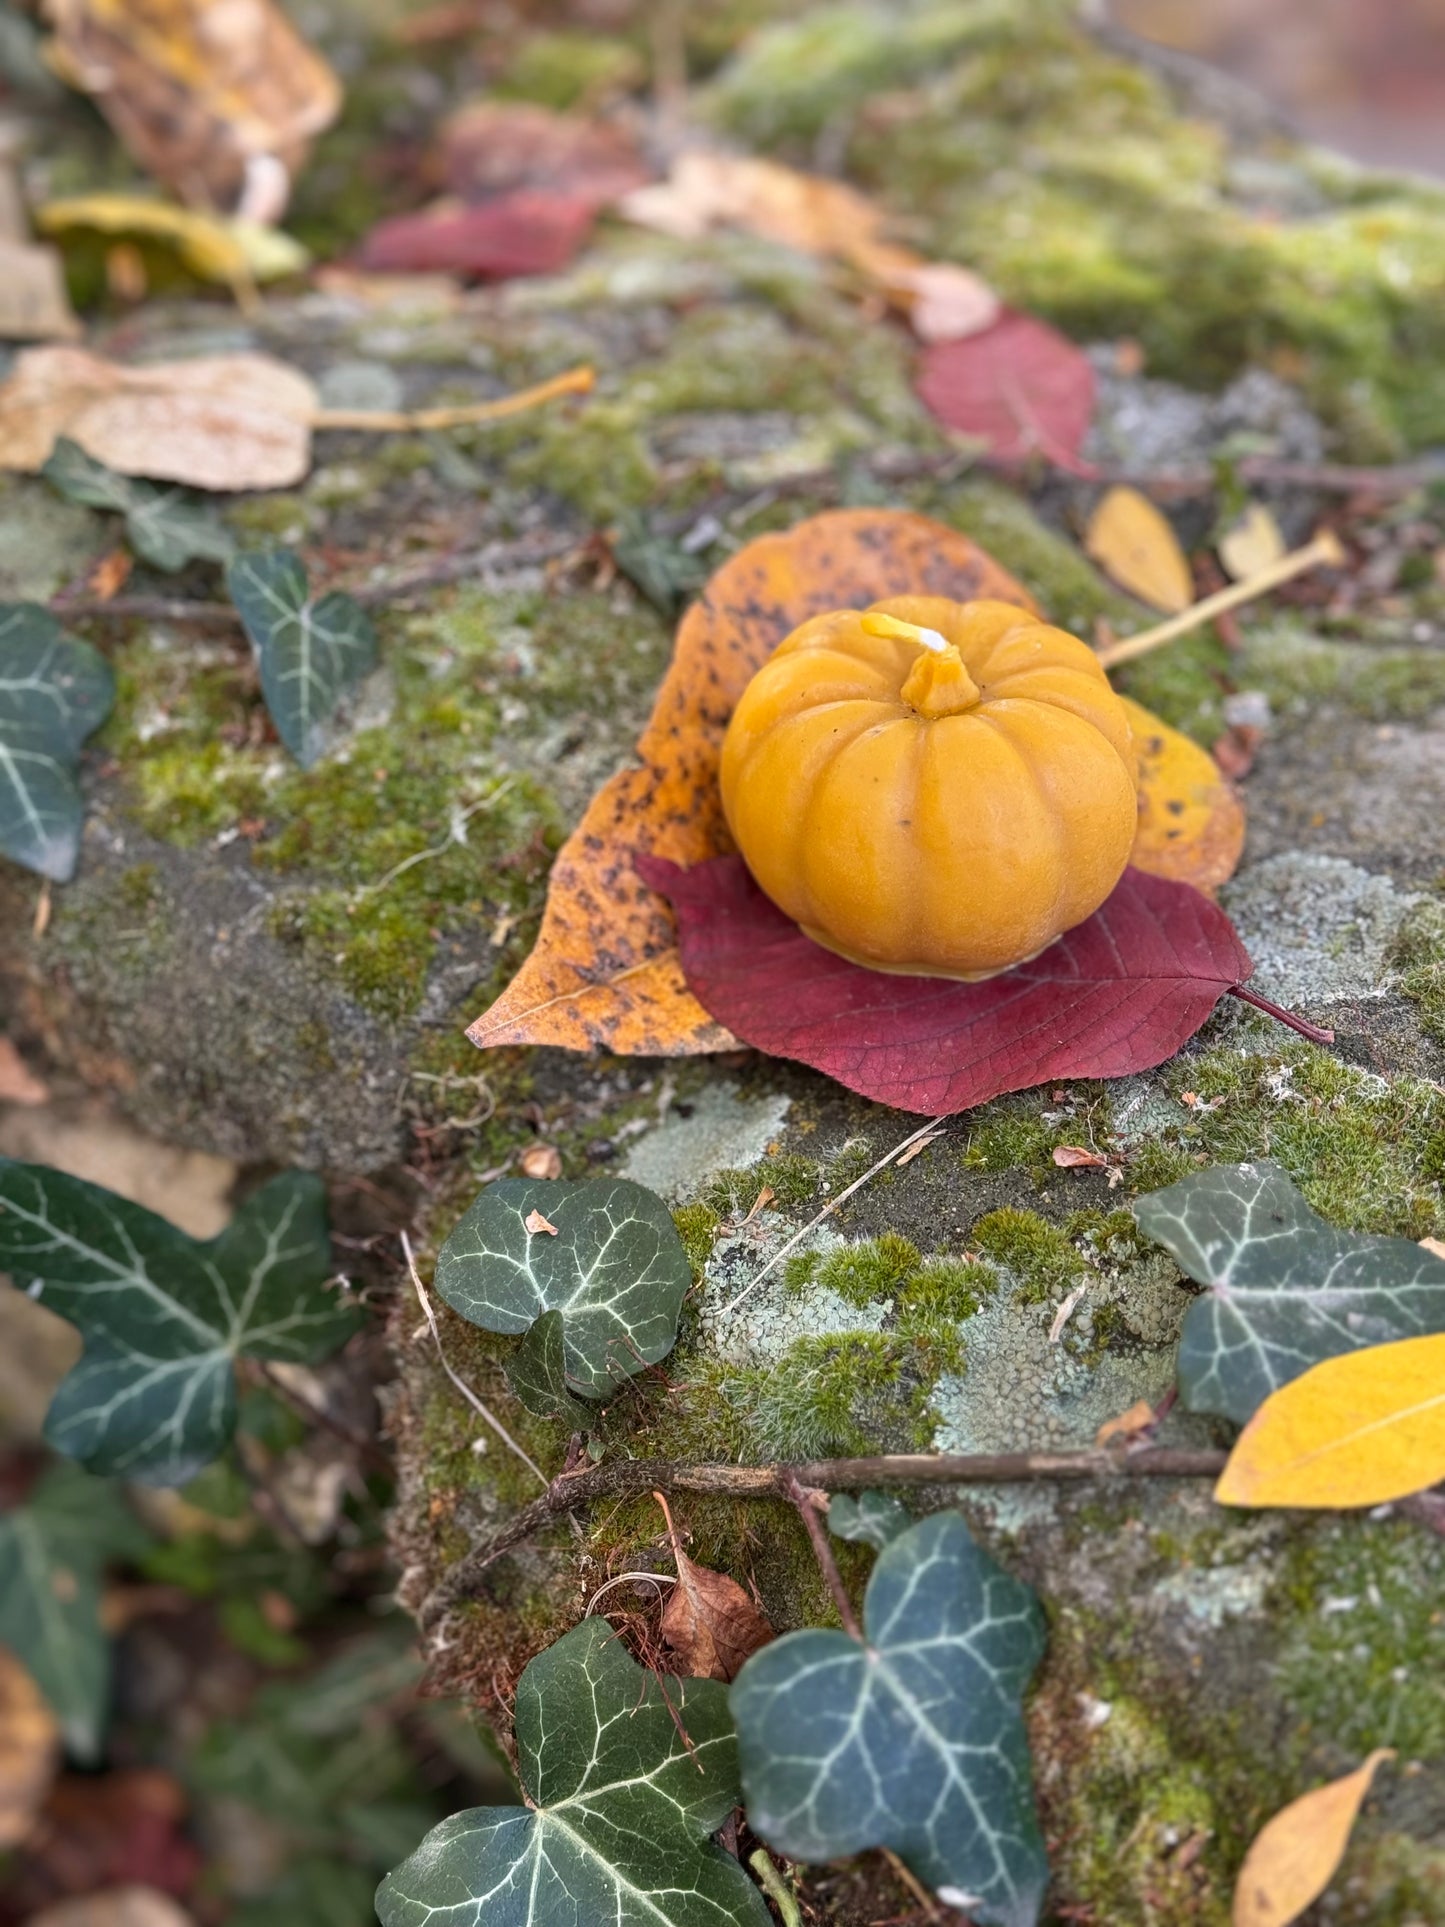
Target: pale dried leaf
point(1254, 543)
point(1437, 1245)
point(34, 305)
point(943, 300)
point(1294, 1856)
point(1065, 1312)
point(218, 422)
point(535, 1223)
point(1132, 541)
point(540, 1161)
point(1128, 1425)
point(1069, 1155)
point(29, 1750)
point(730, 190)
point(116, 1907)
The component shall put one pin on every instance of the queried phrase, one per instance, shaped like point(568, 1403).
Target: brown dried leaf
point(1128, 1425)
point(1294, 1856)
point(540, 1161)
point(1128, 537)
point(18, 1083)
point(709, 1623)
point(495, 147)
point(1069, 1155)
point(219, 99)
point(216, 422)
point(536, 1223)
point(29, 1750)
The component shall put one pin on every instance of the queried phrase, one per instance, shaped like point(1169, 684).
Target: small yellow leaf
point(1356, 1430)
point(1294, 1856)
point(1129, 538)
point(1253, 544)
point(227, 252)
point(1191, 823)
point(534, 1224)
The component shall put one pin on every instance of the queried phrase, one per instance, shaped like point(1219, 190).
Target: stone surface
point(275, 967)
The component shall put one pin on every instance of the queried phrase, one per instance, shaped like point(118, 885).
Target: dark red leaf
point(1120, 993)
point(495, 147)
point(522, 233)
point(1020, 386)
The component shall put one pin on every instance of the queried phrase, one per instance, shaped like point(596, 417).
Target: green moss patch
point(1037, 1255)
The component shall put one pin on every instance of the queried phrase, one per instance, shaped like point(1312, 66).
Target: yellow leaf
point(230, 253)
point(1129, 538)
point(1294, 1856)
point(1191, 823)
point(1356, 1430)
point(1253, 544)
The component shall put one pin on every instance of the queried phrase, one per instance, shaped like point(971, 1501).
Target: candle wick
point(931, 639)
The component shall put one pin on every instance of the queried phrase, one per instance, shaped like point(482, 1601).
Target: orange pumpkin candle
point(932, 787)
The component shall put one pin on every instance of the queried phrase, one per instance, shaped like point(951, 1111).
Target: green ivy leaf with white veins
point(627, 1774)
point(54, 690)
point(537, 1371)
point(166, 526)
point(52, 1552)
point(914, 1740)
point(1283, 1289)
point(310, 652)
point(165, 1316)
point(611, 1263)
point(872, 1518)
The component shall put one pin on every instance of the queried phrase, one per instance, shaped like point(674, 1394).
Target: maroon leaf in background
point(1119, 993)
point(522, 233)
point(495, 147)
point(1020, 386)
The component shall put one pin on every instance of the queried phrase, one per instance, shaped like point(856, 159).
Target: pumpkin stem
point(937, 684)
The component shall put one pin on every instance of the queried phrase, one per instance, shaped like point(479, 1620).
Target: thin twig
point(802, 1502)
point(931, 1908)
point(369, 1448)
point(830, 1207)
point(775, 1887)
point(576, 381)
point(1324, 551)
point(629, 1478)
point(145, 608)
point(461, 1384)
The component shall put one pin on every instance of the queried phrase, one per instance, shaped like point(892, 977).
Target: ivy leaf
point(612, 1265)
point(54, 691)
point(627, 1775)
point(167, 527)
point(165, 1316)
point(914, 1741)
point(310, 652)
point(873, 1518)
point(537, 1371)
point(1283, 1288)
point(52, 1551)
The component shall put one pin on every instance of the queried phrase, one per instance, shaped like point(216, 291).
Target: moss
point(1185, 684)
point(697, 1226)
point(1418, 953)
point(1358, 1148)
point(1364, 1662)
point(826, 1395)
point(1298, 670)
point(1036, 1254)
point(140, 887)
point(1051, 568)
point(596, 460)
point(566, 70)
point(188, 731)
point(793, 1181)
